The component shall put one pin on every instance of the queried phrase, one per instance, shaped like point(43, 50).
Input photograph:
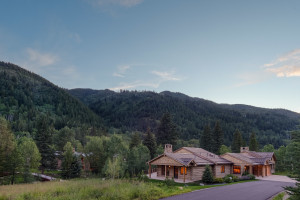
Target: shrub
point(245, 173)
point(251, 176)
point(229, 178)
point(169, 182)
point(207, 175)
point(218, 180)
point(244, 178)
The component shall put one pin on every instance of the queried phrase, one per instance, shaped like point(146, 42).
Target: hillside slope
point(139, 110)
point(24, 96)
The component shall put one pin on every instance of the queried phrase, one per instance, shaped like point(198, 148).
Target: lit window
point(223, 169)
point(181, 170)
point(236, 169)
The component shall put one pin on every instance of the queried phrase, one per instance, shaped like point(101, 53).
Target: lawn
point(80, 189)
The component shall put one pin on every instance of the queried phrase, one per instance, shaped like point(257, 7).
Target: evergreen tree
point(7, 146)
point(71, 165)
point(218, 138)
point(206, 139)
point(135, 140)
point(150, 142)
point(224, 149)
point(167, 133)
point(237, 141)
point(253, 145)
point(207, 176)
point(43, 141)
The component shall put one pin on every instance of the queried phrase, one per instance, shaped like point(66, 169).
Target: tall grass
point(92, 189)
point(82, 189)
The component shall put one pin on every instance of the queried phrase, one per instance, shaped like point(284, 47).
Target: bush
point(169, 182)
point(244, 178)
point(218, 180)
point(207, 175)
point(251, 176)
point(229, 178)
point(245, 173)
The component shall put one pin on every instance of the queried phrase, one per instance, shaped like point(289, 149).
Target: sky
point(233, 51)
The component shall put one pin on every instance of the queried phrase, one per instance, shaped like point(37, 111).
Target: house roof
point(206, 155)
point(198, 156)
point(252, 157)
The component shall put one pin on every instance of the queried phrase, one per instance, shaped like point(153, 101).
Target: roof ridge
point(200, 156)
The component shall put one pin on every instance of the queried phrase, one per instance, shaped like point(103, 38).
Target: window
point(236, 169)
point(181, 170)
point(223, 169)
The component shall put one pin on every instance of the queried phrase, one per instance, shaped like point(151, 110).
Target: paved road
point(257, 190)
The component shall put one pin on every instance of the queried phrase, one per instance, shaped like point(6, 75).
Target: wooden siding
point(164, 160)
point(219, 174)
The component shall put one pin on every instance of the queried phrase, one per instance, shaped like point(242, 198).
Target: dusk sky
point(245, 52)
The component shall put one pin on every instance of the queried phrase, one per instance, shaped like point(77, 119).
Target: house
point(256, 163)
point(188, 163)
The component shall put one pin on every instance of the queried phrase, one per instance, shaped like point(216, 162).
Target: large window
point(183, 169)
point(223, 169)
point(236, 169)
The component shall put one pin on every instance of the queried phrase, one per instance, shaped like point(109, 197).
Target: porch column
point(250, 169)
point(165, 171)
point(184, 174)
point(263, 171)
point(149, 170)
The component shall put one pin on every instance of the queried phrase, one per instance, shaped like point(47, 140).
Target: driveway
point(277, 178)
point(258, 190)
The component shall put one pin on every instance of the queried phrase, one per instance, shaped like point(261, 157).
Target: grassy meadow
point(90, 189)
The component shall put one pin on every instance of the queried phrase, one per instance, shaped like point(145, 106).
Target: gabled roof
point(206, 155)
point(253, 157)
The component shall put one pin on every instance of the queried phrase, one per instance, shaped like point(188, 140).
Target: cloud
point(127, 86)
point(166, 76)
point(287, 65)
point(123, 3)
point(37, 58)
point(121, 70)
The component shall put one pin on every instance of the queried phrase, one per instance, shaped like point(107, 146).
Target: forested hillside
point(24, 96)
point(138, 110)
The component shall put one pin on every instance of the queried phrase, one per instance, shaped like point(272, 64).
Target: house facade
point(256, 163)
point(188, 163)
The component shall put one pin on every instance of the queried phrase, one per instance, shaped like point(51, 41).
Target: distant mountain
point(24, 96)
point(131, 110)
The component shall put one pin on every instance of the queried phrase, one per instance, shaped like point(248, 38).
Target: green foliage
point(229, 178)
point(218, 180)
point(95, 150)
point(207, 176)
point(206, 139)
point(137, 158)
point(253, 144)
point(150, 143)
point(25, 96)
point(113, 168)
point(44, 140)
point(224, 149)
point(132, 110)
point(218, 138)
point(71, 165)
point(135, 140)
point(251, 176)
point(167, 133)
point(292, 155)
point(268, 148)
point(63, 136)
point(169, 182)
point(31, 157)
point(237, 141)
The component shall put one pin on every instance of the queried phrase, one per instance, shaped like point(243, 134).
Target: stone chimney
point(244, 149)
point(168, 148)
